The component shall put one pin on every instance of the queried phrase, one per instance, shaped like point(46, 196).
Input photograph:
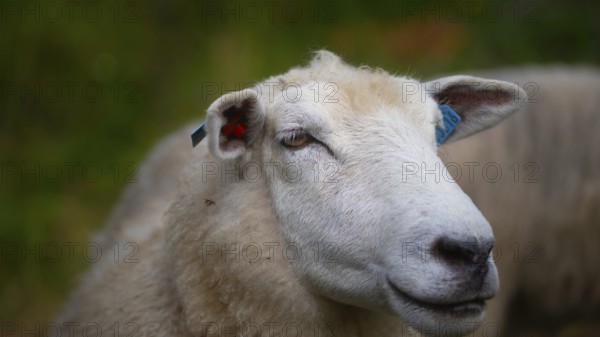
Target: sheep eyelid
point(286, 135)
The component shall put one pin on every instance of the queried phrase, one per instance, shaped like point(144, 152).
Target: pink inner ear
point(467, 96)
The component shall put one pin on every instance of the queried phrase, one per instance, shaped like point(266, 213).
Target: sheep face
point(357, 186)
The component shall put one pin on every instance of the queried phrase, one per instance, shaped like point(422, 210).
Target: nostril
point(469, 252)
point(482, 269)
point(453, 251)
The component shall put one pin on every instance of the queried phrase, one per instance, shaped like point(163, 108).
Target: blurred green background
point(88, 87)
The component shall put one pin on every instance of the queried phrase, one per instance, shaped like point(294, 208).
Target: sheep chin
point(438, 319)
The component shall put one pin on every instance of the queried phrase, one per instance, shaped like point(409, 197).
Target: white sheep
point(309, 210)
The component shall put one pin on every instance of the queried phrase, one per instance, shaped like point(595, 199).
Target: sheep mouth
point(460, 309)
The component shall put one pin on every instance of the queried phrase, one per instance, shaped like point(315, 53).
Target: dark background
point(87, 87)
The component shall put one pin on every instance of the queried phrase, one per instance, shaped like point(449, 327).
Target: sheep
point(544, 207)
point(306, 213)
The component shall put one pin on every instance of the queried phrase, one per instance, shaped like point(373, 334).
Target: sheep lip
point(463, 308)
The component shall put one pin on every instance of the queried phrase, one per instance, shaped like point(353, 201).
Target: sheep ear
point(481, 103)
point(233, 122)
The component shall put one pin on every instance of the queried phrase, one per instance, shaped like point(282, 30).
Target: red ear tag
point(239, 130)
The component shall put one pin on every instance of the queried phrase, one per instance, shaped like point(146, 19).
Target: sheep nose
point(471, 254)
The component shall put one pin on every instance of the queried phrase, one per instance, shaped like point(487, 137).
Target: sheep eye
point(296, 140)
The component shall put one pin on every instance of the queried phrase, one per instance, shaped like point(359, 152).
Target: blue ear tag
point(451, 120)
point(199, 134)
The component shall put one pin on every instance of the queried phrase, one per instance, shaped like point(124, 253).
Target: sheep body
point(545, 206)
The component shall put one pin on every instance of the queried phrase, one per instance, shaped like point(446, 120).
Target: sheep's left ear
point(481, 103)
point(233, 123)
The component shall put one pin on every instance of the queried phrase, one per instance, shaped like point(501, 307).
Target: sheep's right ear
point(480, 103)
point(233, 122)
